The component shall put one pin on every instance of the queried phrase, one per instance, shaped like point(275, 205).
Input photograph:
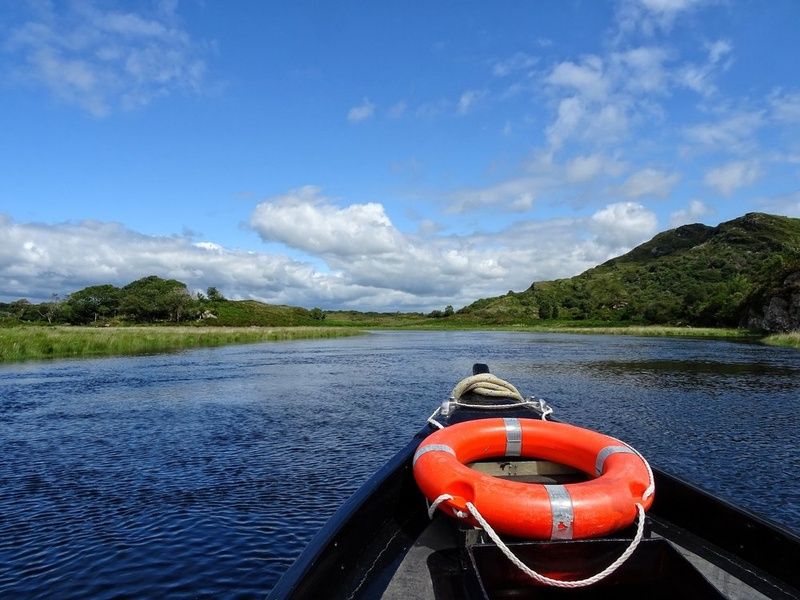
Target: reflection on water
point(204, 473)
point(693, 374)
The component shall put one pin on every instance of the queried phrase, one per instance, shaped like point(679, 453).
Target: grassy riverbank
point(34, 342)
point(26, 343)
point(595, 327)
point(790, 340)
point(652, 331)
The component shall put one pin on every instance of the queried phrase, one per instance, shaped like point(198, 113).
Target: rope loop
point(435, 504)
point(558, 582)
point(432, 420)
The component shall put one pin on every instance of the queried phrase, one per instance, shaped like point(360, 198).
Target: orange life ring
point(587, 509)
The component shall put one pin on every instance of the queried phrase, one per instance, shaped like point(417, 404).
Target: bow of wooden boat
point(382, 543)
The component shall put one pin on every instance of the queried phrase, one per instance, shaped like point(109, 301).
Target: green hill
point(242, 313)
point(744, 272)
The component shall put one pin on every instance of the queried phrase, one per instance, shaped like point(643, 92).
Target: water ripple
point(204, 473)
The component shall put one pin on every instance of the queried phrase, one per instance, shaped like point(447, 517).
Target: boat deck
point(434, 566)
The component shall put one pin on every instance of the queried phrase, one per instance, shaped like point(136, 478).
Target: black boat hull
point(358, 552)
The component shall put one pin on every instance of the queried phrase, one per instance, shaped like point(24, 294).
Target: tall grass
point(24, 343)
point(790, 339)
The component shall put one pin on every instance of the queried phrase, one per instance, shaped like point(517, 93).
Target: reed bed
point(790, 339)
point(26, 343)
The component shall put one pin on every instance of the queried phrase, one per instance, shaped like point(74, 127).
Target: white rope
point(433, 421)
point(493, 406)
point(545, 408)
point(432, 507)
point(558, 582)
point(486, 384)
point(435, 504)
point(537, 403)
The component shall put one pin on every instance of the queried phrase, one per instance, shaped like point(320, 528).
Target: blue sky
point(382, 156)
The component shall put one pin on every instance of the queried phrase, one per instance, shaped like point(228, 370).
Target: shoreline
point(22, 343)
point(41, 343)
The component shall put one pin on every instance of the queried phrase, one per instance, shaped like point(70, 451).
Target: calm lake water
point(204, 473)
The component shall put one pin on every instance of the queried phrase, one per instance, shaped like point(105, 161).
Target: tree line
point(146, 300)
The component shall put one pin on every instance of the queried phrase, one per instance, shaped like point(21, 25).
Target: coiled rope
point(488, 385)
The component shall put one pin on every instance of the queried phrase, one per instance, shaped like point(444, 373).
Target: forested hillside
point(742, 272)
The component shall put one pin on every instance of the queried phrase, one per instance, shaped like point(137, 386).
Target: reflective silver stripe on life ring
point(513, 437)
point(561, 509)
point(605, 453)
point(432, 448)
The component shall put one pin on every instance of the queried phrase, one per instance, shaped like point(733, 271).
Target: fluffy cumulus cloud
point(104, 60)
point(306, 220)
point(623, 224)
point(37, 260)
point(356, 257)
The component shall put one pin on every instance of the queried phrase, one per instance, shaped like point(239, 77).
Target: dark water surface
point(204, 473)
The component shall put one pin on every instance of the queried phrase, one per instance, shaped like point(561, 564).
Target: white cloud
point(518, 62)
point(37, 260)
point(729, 177)
point(699, 77)
point(623, 224)
point(516, 195)
point(732, 133)
point(649, 182)
point(691, 214)
point(587, 78)
point(571, 113)
point(643, 69)
point(102, 60)
point(607, 125)
point(585, 168)
point(786, 107)
point(650, 16)
point(375, 267)
point(305, 220)
point(468, 100)
point(718, 50)
point(361, 112)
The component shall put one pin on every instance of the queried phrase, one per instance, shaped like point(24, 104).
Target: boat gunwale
point(711, 539)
